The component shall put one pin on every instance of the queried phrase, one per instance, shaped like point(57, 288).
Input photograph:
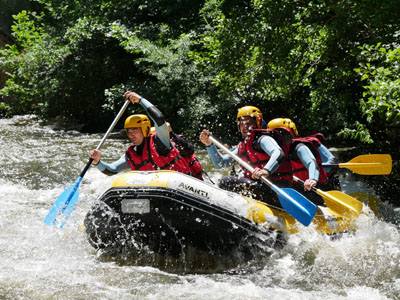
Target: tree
point(199, 61)
point(71, 55)
point(301, 59)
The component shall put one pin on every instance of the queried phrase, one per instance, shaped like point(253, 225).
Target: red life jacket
point(298, 168)
point(151, 160)
point(320, 136)
point(195, 167)
point(258, 159)
point(283, 136)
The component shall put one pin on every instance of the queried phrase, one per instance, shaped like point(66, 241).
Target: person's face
point(246, 125)
point(135, 135)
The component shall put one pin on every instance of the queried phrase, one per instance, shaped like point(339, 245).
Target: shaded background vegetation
point(330, 66)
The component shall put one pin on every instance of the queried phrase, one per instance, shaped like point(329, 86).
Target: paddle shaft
point(240, 161)
point(63, 206)
point(297, 179)
point(345, 165)
point(110, 129)
point(323, 194)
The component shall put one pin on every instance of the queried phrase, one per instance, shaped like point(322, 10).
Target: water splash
point(38, 262)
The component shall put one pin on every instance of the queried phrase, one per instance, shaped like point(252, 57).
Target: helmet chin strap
point(147, 132)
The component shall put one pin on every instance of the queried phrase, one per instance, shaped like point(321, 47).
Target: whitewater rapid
point(38, 262)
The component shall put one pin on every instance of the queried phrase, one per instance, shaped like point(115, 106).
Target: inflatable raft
point(170, 213)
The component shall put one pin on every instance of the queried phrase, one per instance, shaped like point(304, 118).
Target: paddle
point(63, 206)
point(368, 164)
point(292, 201)
point(338, 201)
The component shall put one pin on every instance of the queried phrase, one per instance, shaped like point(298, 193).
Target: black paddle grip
point(86, 168)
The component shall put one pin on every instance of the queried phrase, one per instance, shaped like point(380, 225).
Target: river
point(38, 262)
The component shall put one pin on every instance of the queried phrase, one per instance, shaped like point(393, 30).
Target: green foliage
point(379, 69)
point(4, 110)
point(52, 76)
point(329, 65)
point(69, 57)
point(297, 58)
point(360, 132)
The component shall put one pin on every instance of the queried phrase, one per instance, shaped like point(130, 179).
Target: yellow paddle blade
point(341, 203)
point(370, 164)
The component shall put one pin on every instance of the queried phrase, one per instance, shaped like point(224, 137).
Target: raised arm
point(155, 114)
point(220, 161)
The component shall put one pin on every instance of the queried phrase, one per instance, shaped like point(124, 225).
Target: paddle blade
point(370, 164)
point(341, 203)
point(63, 206)
point(297, 205)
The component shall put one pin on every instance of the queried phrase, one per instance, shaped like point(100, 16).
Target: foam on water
point(39, 262)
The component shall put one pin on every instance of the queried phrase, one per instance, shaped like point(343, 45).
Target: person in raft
point(262, 148)
point(314, 143)
point(149, 151)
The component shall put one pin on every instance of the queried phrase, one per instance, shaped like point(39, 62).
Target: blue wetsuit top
point(326, 157)
point(308, 159)
point(161, 131)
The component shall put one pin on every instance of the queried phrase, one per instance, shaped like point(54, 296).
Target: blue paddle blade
point(63, 206)
point(297, 205)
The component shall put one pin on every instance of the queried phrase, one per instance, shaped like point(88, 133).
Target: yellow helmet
point(283, 122)
point(250, 111)
point(141, 121)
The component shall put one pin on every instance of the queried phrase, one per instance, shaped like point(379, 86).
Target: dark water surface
point(38, 262)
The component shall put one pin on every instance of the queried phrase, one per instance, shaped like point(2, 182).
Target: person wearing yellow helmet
point(258, 148)
point(251, 113)
point(306, 154)
point(149, 151)
point(283, 122)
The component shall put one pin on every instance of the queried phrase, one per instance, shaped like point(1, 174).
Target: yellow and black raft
point(170, 213)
